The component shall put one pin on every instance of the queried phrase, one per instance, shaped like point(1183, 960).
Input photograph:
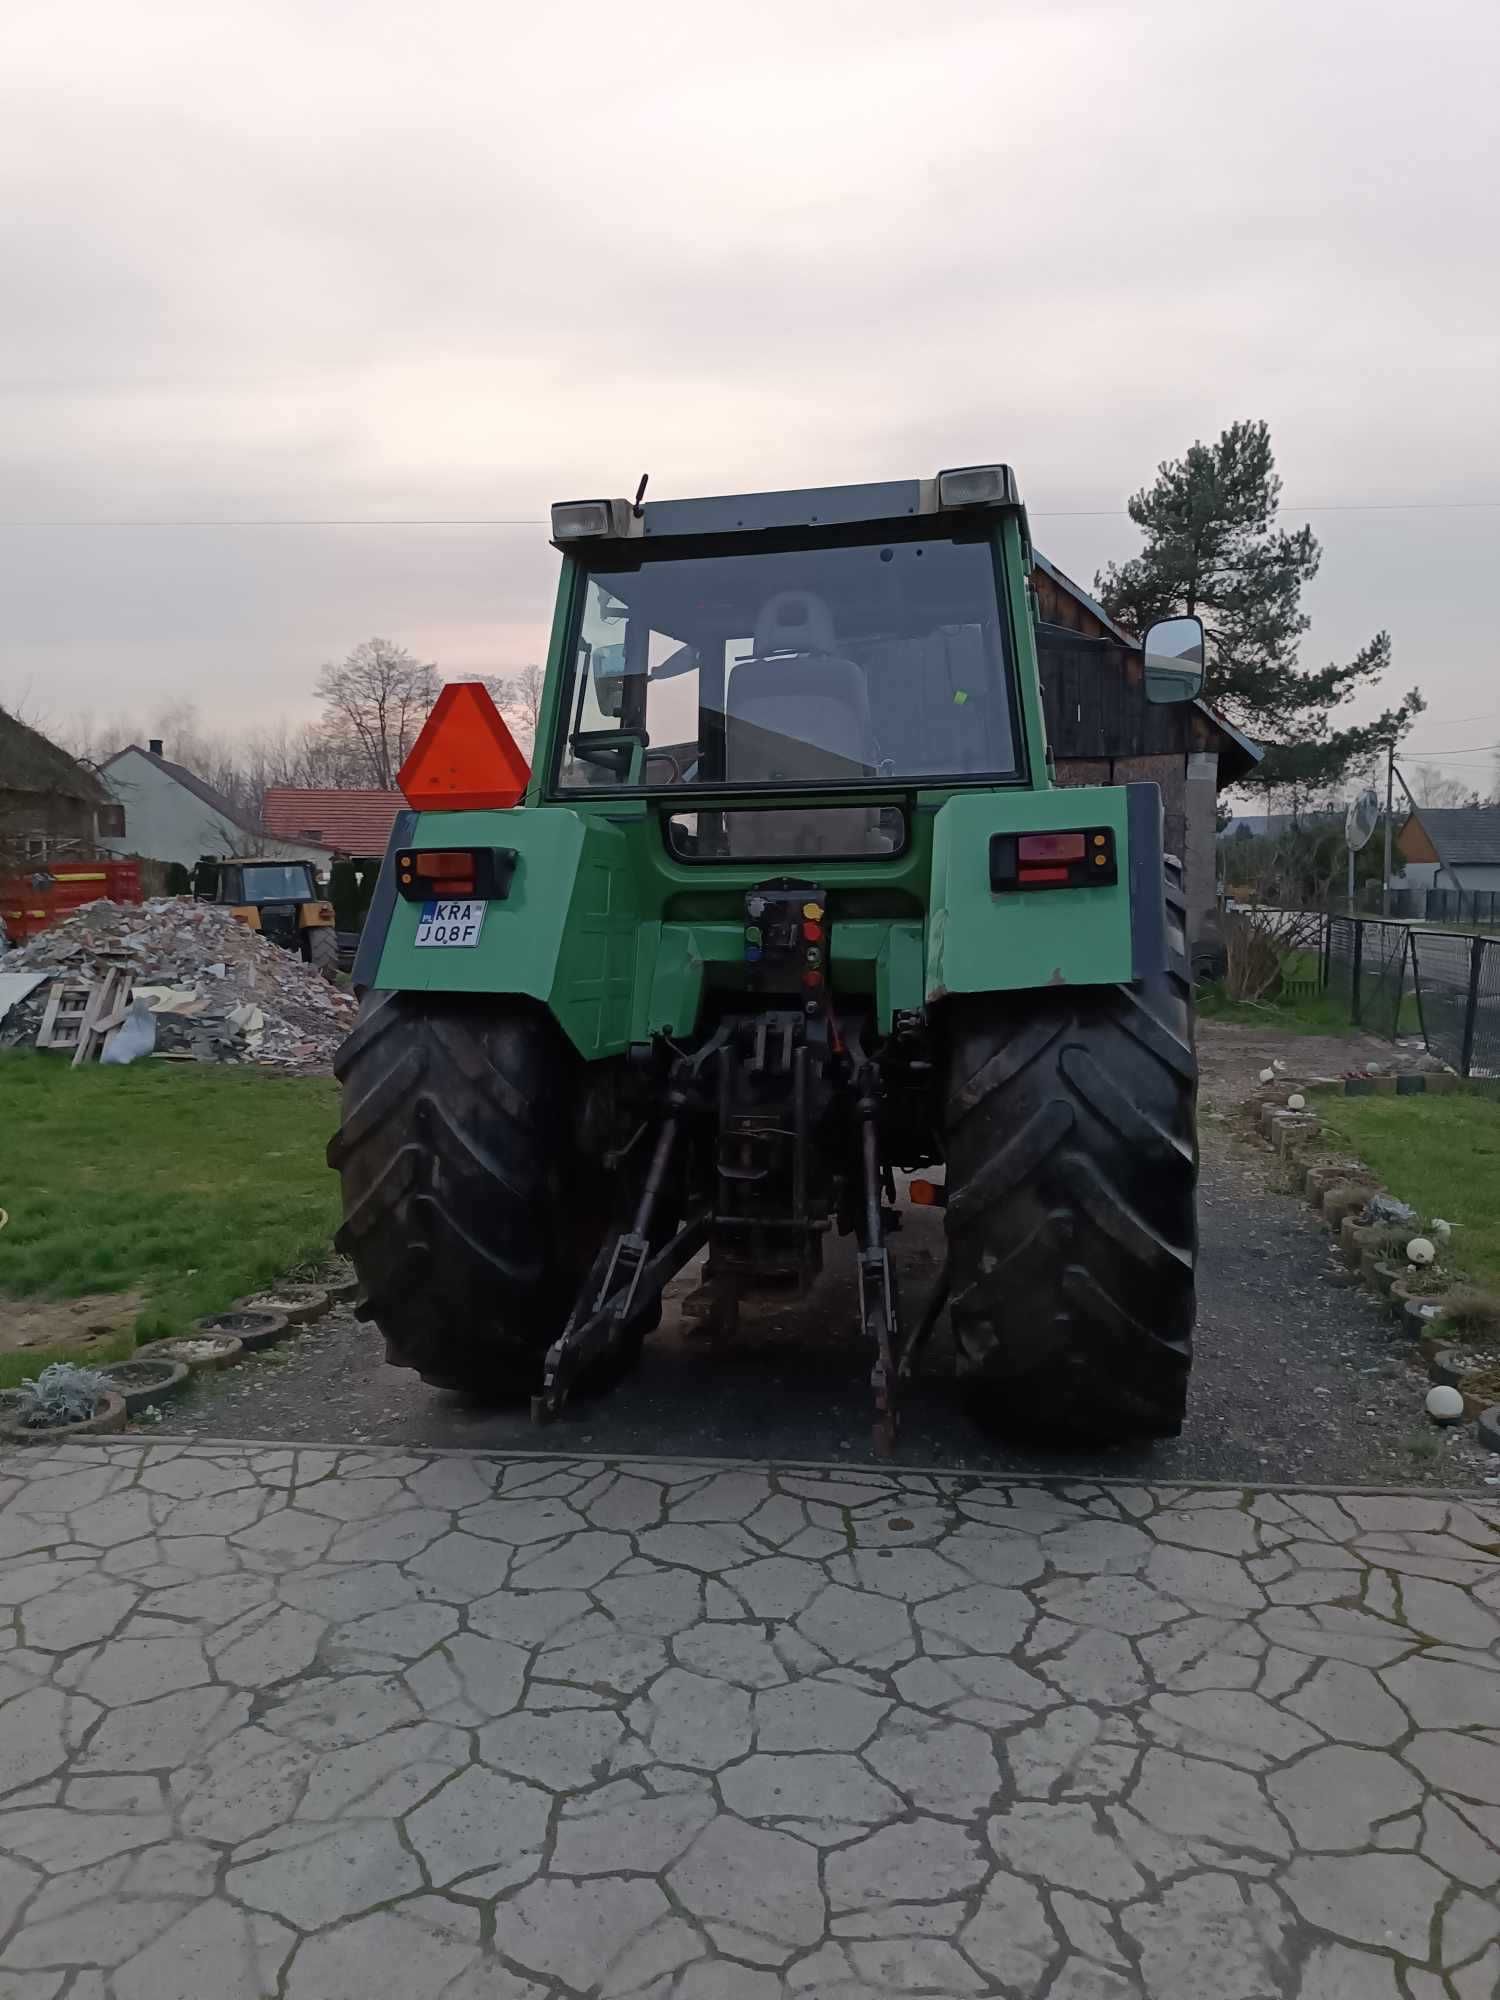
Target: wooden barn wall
point(1094, 700)
point(1103, 731)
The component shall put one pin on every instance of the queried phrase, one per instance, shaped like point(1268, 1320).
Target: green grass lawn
point(190, 1185)
point(1441, 1154)
point(1302, 1014)
point(1316, 1015)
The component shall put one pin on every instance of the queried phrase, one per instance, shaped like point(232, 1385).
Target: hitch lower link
point(895, 1352)
point(628, 1274)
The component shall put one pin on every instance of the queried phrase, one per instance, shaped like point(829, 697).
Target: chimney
point(154, 746)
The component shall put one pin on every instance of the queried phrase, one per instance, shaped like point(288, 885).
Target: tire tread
point(1072, 1162)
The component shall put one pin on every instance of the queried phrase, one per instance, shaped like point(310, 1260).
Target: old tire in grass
point(298, 1305)
point(144, 1380)
point(109, 1415)
point(1072, 1162)
point(202, 1351)
point(252, 1326)
point(467, 1208)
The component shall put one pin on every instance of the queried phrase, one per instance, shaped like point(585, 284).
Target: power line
point(1288, 507)
point(513, 522)
point(536, 521)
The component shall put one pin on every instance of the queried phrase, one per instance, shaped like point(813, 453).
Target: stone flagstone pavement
point(357, 1725)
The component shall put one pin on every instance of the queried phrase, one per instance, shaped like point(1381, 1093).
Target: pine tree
point(1213, 547)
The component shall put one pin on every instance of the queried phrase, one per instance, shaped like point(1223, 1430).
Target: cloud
point(452, 262)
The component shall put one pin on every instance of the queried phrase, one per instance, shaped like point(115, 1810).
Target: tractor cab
point(873, 664)
point(280, 899)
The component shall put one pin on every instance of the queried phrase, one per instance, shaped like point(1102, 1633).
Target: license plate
point(451, 923)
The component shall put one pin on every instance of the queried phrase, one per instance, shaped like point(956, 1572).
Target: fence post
point(1416, 986)
point(1471, 1007)
point(1325, 950)
point(1354, 966)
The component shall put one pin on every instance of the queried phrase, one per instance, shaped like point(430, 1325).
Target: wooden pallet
point(81, 1014)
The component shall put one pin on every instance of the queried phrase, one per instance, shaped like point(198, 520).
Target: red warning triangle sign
point(465, 759)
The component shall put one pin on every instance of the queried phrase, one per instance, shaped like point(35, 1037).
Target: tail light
point(1081, 858)
point(430, 874)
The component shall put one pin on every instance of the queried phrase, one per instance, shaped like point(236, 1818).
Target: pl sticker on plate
point(451, 923)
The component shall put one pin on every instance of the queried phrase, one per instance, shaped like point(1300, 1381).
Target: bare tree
point(519, 699)
point(374, 704)
point(1431, 788)
point(1284, 883)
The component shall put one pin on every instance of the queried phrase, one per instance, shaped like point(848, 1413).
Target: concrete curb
point(874, 1476)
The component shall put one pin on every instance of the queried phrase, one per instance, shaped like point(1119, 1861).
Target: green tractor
point(787, 904)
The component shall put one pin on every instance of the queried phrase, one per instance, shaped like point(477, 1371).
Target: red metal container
point(28, 909)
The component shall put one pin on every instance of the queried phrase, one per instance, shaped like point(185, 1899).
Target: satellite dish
point(1362, 817)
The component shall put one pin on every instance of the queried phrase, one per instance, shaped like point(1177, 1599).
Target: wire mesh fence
point(1384, 972)
point(1456, 906)
point(1457, 981)
point(1484, 1013)
point(1390, 979)
point(1366, 970)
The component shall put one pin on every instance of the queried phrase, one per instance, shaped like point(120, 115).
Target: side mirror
point(607, 666)
point(1173, 649)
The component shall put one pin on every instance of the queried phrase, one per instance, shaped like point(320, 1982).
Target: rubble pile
point(217, 991)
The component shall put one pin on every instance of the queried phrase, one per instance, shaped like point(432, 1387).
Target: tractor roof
point(965, 490)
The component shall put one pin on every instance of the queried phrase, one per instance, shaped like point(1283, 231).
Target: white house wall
point(164, 821)
point(1473, 881)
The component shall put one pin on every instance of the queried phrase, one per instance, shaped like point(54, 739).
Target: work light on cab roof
point(793, 915)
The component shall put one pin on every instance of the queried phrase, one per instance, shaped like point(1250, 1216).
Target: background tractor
point(280, 899)
point(788, 903)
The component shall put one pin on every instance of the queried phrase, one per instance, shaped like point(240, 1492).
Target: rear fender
point(563, 934)
point(981, 941)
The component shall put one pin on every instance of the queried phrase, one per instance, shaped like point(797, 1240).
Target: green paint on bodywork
point(621, 939)
point(566, 934)
point(978, 942)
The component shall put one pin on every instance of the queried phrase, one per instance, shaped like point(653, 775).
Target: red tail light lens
point(1051, 847)
point(1082, 858)
point(426, 874)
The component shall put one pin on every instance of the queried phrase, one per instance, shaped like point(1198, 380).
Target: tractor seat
point(797, 714)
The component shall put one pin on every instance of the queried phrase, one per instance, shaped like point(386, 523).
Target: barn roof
point(1238, 753)
point(31, 762)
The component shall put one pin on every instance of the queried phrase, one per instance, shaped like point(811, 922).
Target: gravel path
point(338, 1726)
point(1299, 1377)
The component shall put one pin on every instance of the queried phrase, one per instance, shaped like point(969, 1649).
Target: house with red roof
point(353, 823)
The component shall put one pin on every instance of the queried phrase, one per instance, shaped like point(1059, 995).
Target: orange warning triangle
point(465, 759)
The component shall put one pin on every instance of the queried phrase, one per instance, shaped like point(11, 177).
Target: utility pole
point(1390, 807)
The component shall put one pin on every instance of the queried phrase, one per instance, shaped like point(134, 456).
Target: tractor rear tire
point(1072, 1162)
point(461, 1190)
point(323, 950)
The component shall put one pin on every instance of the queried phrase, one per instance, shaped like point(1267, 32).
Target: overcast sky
point(447, 262)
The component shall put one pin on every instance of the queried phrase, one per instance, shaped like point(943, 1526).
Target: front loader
point(787, 903)
point(280, 899)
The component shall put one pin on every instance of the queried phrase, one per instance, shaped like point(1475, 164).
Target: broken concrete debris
point(217, 991)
